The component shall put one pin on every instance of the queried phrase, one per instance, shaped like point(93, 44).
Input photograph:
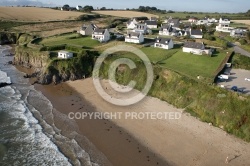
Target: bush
point(53, 48)
point(87, 17)
point(243, 41)
point(73, 48)
point(209, 37)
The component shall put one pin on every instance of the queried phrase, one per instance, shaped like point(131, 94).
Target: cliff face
point(8, 38)
point(30, 58)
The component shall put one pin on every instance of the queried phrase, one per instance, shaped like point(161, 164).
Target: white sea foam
point(4, 78)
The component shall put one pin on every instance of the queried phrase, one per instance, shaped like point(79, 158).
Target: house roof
point(175, 22)
point(148, 22)
point(93, 26)
point(162, 40)
point(196, 32)
point(63, 52)
point(166, 26)
point(195, 45)
point(99, 30)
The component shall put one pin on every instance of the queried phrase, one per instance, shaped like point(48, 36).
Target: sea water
point(27, 134)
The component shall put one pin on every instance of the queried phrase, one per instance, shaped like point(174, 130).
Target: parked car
point(247, 79)
point(234, 88)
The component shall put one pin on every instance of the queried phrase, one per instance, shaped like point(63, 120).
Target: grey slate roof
point(175, 22)
point(99, 30)
point(162, 40)
point(195, 45)
point(148, 22)
point(166, 26)
point(196, 32)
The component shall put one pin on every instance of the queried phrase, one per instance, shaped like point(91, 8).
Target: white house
point(196, 33)
point(65, 54)
point(195, 48)
point(212, 20)
point(78, 7)
point(101, 35)
point(224, 26)
point(164, 43)
point(151, 24)
point(202, 22)
point(141, 28)
point(166, 30)
point(133, 37)
point(132, 24)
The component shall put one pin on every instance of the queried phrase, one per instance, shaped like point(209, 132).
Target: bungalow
point(195, 48)
point(151, 24)
point(196, 33)
point(133, 37)
point(88, 29)
point(101, 35)
point(141, 28)
point(164, 43)
point(132, 23)
point(65, 54)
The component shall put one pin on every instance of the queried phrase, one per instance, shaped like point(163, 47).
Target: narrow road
point(239, 50)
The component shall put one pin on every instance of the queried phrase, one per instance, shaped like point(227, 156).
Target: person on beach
point(227, 160)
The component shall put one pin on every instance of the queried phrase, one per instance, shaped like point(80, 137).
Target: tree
point(248, 35)
point(103, 8)
point(66, 7)
point(88, 8)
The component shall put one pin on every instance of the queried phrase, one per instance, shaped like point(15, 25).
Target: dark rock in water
point(10, 62)
point(3, 84)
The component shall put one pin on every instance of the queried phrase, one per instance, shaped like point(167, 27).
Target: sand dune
point(186, 141)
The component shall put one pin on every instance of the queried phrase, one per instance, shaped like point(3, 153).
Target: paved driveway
point(237, 78)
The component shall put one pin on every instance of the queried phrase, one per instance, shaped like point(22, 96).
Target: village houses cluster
point(136, 30)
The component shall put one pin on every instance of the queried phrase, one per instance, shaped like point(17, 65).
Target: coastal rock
point(3, 84)
point(55, 79)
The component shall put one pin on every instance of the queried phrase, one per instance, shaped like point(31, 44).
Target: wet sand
point(115, 142)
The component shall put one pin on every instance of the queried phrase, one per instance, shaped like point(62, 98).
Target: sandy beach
point(186, 141)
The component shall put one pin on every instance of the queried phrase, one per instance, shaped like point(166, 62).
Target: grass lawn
point(192, 65)
point(157, 54)
point(71, 39)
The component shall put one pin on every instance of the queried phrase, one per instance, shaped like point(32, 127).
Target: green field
point(200, 15)
point(193, 65)
point(70, 39)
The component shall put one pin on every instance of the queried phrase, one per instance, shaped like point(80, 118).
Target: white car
point(247, 79)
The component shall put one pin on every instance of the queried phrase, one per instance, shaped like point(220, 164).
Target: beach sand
point(186, 141)
point(115, 142)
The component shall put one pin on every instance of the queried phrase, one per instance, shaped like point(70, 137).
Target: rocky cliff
point(8, 38)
